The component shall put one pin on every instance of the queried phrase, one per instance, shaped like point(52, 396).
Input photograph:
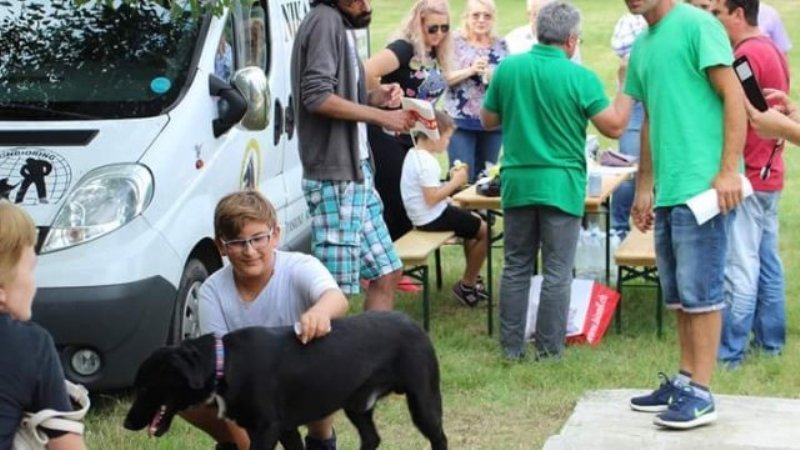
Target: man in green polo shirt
point(544, 103)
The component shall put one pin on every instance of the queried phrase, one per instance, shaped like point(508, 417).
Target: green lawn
point(493, 405)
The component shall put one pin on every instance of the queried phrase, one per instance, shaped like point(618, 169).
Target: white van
point(119, 132)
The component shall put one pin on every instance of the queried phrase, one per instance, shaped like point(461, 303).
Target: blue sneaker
point(658, 400)
point(689, 410)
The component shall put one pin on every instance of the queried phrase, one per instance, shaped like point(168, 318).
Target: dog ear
point(189, 363)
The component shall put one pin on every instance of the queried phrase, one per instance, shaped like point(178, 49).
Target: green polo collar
point(549, 51)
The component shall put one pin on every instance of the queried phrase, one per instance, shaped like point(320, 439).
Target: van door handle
point(288, 126)
point(278, 124)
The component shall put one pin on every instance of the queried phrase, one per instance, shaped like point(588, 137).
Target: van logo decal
point(32, 176)
point(251, 166)
point(293, 13)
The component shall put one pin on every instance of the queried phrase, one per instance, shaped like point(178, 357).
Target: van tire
point(186, 320)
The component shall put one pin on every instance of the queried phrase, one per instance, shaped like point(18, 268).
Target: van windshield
point(67, 59)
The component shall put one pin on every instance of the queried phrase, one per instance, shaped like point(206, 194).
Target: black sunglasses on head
point(433, 29)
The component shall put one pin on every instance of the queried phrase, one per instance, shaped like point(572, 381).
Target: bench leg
point(618, 316)
point(438, 257)
point(659, 309)
point(426, 305)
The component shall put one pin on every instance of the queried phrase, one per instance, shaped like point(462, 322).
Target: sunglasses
point(433, 29)
point(766, 171)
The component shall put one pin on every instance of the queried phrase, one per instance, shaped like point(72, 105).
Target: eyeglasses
point(257, 242)
point(766, 171)
point(433, 29)
point(482, 15)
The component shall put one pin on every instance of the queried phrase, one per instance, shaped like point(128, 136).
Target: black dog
point(272, 383)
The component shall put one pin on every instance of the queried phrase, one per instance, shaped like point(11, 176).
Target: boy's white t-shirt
point(420, 169)
point(297, 283)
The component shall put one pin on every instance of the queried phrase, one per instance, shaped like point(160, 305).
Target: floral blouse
point(463, 100)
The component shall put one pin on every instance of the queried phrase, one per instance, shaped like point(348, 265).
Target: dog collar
point(219, 350)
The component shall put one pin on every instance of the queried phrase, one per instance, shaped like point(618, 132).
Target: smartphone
point(751, 88)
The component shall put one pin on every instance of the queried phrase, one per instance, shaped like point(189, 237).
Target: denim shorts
point(348, 233)
point(691, 259)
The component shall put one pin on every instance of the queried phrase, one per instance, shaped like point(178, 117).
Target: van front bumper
point(123, 323)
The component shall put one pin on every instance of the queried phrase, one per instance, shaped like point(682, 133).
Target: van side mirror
point(252, 83)
point(232, 105)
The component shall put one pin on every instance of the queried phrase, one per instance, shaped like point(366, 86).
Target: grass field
point(490, 404)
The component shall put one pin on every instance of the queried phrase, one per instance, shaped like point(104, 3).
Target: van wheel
point(186, 320)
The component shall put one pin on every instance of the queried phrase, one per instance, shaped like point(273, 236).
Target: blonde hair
point(488, 4)
point(411, 31)
point(17, 231)
point(234, 210)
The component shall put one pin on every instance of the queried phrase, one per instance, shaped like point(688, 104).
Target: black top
point(31, 377)
point(418, 80)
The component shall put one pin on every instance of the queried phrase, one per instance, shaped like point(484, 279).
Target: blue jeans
point(754, 281)
point(476, 148)
point(629, 144)
point(691, 259)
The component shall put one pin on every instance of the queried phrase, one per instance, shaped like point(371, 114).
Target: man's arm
point(772, 124)
point(489, 120)
point(336, 107)
point(727, 182)
point(318, 81)
point(613, 120)
point(643, 201)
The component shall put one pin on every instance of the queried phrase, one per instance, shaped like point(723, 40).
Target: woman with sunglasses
point(477, 52)
point(416, 59)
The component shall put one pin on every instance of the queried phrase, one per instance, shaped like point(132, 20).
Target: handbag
point(30, 435)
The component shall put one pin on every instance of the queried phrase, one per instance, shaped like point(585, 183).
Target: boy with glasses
point(263, 286)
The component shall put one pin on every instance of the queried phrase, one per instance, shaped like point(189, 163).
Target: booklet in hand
point(424, 118)
point(705, 205)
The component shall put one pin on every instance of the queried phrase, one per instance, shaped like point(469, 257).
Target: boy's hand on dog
point(313, 325)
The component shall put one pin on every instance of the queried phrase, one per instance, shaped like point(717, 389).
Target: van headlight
point(103, 200)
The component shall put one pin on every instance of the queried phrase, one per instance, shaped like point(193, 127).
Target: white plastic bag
point(30, 435)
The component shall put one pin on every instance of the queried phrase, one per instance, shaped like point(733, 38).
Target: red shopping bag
point(591, 308)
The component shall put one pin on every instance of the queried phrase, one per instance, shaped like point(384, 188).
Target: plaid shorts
point(348, 233)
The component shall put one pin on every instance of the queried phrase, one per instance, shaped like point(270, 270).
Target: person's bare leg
point(380, 294)
point(685, 342)
point(205, 418)
point(322, 429)
point(705, 334)
point(475, 252)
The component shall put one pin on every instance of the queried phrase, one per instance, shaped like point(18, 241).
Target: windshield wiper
point(43, 112)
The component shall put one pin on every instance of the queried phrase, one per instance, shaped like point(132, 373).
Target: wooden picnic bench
point(414, 248)
point(636, 258)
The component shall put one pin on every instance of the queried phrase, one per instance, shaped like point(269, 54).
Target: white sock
point(682, 379)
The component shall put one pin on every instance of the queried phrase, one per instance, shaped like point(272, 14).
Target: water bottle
point(594, 184)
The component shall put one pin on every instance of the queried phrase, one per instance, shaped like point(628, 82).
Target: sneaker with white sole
point(689, 410)
point(658, 400)
point(468, 296)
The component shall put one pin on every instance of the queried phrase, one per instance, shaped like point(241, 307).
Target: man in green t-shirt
point(544, 102)
point(692, 140)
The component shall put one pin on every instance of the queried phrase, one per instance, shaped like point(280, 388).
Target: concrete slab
point(603, 420)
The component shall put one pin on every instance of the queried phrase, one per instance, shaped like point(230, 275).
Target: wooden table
point(470, 199)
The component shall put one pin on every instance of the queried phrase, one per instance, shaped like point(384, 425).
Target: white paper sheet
point(705, 205)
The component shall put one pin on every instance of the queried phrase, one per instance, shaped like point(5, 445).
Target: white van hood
point(41, 162)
